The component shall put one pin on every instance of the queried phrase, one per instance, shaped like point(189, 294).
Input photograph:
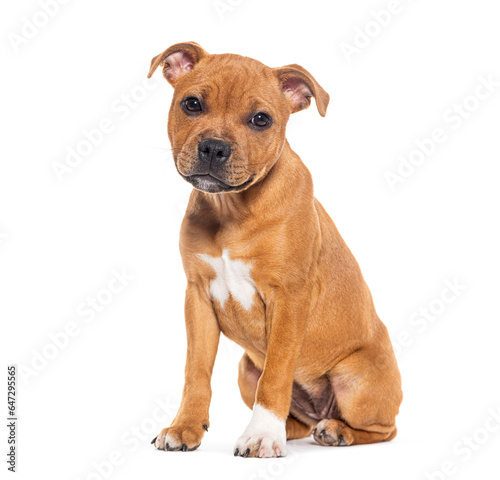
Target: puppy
point(266, 266)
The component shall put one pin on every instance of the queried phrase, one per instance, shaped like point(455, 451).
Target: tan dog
point(266, 266)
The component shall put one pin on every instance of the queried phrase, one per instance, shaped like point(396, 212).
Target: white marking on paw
point(231, 277)
point(265, 434)
point(168, 439)
point(172, 442)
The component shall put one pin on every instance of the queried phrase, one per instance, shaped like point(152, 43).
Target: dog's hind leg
point(367, 387)
point(248, 377)
point(296, 429)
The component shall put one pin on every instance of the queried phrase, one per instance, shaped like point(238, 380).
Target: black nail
point(205, 427)
point(236, 451)
point(322, 432)
point(154, 440)
point(184, 447)
point(342, 442)
point(247, 452)
point(314, 431)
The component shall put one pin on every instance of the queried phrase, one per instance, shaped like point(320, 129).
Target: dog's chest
point(233, 279)
point(236, 300)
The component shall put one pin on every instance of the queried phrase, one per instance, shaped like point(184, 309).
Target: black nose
point(212, 151)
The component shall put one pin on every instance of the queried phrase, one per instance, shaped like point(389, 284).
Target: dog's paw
point(181, 438)
point(333, 433)
point(260, 445)
point(264, 437)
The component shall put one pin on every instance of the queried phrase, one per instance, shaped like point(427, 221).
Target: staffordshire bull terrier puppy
point(266, 266)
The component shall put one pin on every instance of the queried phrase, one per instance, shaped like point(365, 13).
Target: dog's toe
point(330, 432)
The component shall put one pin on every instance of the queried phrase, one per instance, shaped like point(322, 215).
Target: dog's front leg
point(265, 435)
point(203, 334)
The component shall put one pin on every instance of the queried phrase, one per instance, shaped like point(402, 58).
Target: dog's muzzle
point(209, 174)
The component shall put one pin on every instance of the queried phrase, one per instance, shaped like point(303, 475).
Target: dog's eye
point(261, 120)
point(191, 105)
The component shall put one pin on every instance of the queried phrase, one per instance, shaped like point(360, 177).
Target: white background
point(121, 207)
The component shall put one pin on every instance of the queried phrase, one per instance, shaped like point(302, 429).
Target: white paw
point(264, 437)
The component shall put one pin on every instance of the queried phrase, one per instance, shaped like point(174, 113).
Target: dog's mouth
point(208, 183)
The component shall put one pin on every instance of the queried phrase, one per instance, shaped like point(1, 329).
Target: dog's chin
point(207, 183)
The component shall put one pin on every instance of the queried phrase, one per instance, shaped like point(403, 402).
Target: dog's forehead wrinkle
point(236, 75)
point(234, 61)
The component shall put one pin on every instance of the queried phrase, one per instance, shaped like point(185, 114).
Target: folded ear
point(177, 60)
point(298, 86)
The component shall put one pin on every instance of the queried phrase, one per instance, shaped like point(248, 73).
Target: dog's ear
point(298, 86)
point(177, 60)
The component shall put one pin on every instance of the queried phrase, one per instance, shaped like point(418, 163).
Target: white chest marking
point(231, 277)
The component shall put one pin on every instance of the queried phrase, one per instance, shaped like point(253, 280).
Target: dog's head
point(229, 113)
